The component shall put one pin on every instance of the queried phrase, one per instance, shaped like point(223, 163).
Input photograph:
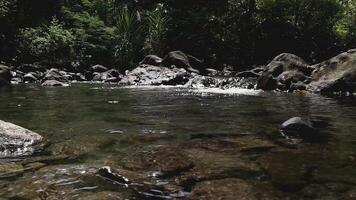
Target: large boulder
point(151, 60)
point(5, 75)
point(283, 71)
point(178, 59)
point(17, 141)
point(155, 75)
point(335, 75)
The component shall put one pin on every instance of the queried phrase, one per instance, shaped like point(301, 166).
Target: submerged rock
point(297, 127)
point(227, 189)
point(335, 75)
point(154, 75)
point(17, 141)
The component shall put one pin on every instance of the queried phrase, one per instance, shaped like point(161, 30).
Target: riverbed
point(178, 143)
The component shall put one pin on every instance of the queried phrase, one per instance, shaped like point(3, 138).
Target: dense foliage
point(118, 33)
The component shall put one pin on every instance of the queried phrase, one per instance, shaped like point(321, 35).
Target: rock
point(335, 75)
point(98, 68)
point(248, 74)
point(151, 60)
point(154, 75)
point(16, 80)
point(282, 71)
point(178, 59)
point(266, 82)
point(30, 78)
point(111, 75)
point(109, 174)
point(17, 141)
point(297, 127)
point(5, 75)
point(54, 83)
point(55, 75)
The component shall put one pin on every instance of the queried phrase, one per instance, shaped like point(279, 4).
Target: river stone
point(298, 127)
point(335, 75)
point(17, 141)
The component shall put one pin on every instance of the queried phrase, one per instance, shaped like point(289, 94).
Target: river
point(179, 143)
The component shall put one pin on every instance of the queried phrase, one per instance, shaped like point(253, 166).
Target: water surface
point(179, 143)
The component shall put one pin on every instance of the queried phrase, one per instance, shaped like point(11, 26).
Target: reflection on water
point(177, 143)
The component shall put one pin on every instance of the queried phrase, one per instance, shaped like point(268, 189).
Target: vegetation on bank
point(118, 33)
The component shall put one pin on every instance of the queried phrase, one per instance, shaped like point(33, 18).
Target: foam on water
point(232, 91)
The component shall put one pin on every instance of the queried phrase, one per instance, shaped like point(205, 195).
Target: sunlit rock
point(17, 141)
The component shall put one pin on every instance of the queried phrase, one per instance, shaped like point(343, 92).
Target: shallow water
point(178, 143)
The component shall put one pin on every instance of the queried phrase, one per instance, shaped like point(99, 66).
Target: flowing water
point(177, 143)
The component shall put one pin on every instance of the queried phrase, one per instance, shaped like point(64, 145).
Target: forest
point(240, 34)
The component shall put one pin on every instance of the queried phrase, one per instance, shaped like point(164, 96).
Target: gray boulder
point(284, 70)
point(154, 75)
point(151, 60)
point(17, 141)
point(335, 75)
point(178, 59)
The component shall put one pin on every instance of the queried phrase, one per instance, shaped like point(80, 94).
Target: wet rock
point(5, 75)
point(287, 171)
point(178, 59)
point(30, 77)
point(54, 75)
point(17, 141)
point(16, 80)
point(151, 60)
point(77, 146)
point(98, 68)
point(227, 189)
point(267, 82)
point(54, 83)
point(282, 71)
point(210, 165)
point(335, 75)
point(153, 75)
point(248, 74)
point(297, 127)
point(112, 75)
point(168, 161)
point(108, 173)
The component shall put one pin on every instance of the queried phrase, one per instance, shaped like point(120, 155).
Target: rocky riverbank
point(286, 72)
